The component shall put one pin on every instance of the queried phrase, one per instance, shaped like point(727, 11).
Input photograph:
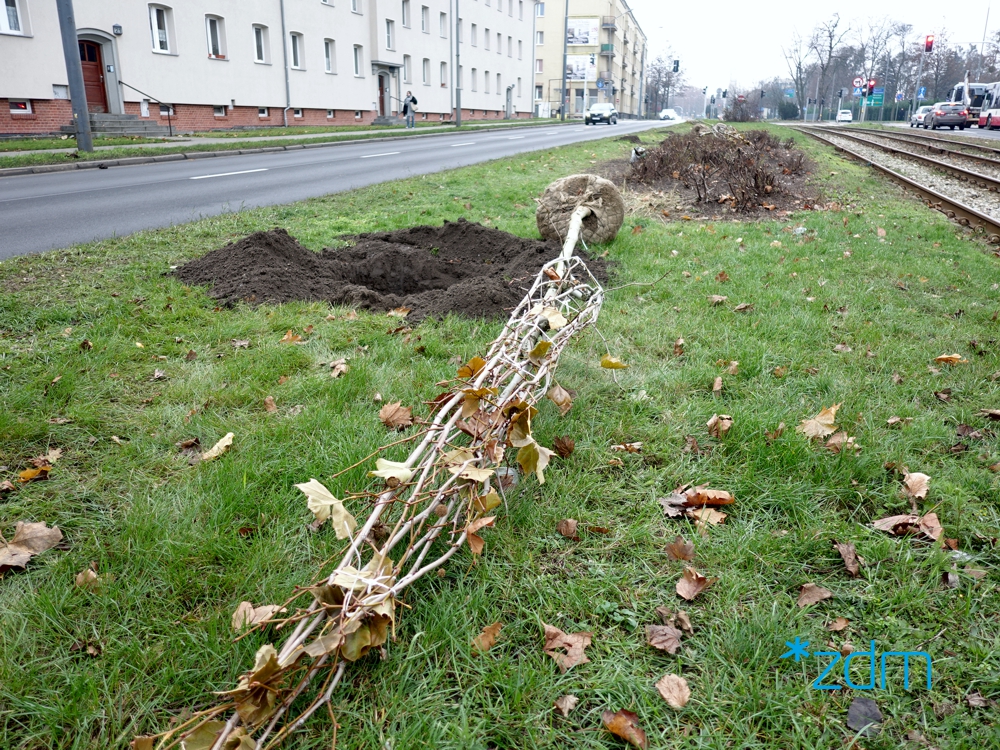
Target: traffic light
point(704, 90)
point(677, 66)
point(762, 93)
point(871, 84)
point(929, 43)
point(713, 100)
point(725, 94)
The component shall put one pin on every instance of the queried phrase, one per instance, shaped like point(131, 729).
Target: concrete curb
point(128, 161)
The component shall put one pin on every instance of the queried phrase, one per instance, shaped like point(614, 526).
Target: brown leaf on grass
point(965, 431)
point(673, 505)
point(627, 448)
point(89, 580)
point(704, 517)
point(674, 689)
point(915, 485)
point(990, 413)
point(269, 406)
point(143, 743)
point(976, 700)
point(219, 448)
point(6, 486)
point(679, 347)
point(567, 527)
point(838, 624)
point(398, 312)
point(743, 307)
point(717, 386)
point(485, 640)
point(35, 474)
point(810, 593)
point(951, 359)
point(565, 704)
point(849, 555)
point(664, 637)
point(564, 446)
point(880, 231)
point(612, 363)
point(573, 644)
point(944, 395)
point(839, 442)
point(895, 421)
point(338, 367)
point(637, 229)
point(780, 371)
point(680, 549)
point(692, 583)
point(560, 397)
point(476, 542)
point(722, 277)
point(240, 343)
point(734, 368)
point(625, 724)
point(247, 615)
point(716, 299)
point(86, 345)
point(396, 416)
point(191, 356)
point(719, 424)
point(30, 539)
point(698, 496)
point(290, 338)
point(821, 425)
point(776, 433)
point(842, 348)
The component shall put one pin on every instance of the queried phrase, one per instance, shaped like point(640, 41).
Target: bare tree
point(662, 81)
point(796, 56)
point(825, 44)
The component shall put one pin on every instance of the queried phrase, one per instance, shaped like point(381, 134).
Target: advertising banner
point(582, 31)
point(581, 67)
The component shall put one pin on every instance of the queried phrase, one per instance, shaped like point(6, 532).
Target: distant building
point(605, 52)
point(251, 63)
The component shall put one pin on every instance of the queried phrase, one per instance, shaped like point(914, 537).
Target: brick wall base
point(47, 116)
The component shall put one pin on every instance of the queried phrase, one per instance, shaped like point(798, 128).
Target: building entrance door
point(383, 95)
point(93, 76)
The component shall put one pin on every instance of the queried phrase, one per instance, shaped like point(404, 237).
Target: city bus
point(989, 113)
point(974, 102)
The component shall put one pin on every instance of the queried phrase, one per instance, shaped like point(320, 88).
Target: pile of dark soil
point(461, 267)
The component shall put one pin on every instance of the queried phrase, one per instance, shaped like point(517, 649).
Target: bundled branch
point(432, 503)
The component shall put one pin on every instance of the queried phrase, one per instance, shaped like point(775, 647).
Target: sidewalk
point(209, 140)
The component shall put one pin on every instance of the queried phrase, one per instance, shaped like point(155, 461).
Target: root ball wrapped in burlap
point(564, 196)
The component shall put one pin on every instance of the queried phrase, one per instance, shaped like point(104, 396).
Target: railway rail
point(922, 137)
point(985, 156)
point(951, 207)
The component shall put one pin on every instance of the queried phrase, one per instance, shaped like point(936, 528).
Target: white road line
point(515, 138)
point(470, 143)
point(387, 153)
point(225, 174)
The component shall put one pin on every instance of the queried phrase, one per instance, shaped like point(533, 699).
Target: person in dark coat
point(410, 109)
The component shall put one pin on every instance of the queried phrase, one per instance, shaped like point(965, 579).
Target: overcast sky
point(729, 41)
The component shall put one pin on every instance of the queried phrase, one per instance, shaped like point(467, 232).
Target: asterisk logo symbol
point(797, 649)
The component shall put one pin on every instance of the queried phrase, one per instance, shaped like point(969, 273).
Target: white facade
point(233, 53)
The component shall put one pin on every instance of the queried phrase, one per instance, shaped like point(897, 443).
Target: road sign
point(922, 92)
point(741, 98)
point(899, 96)
point(858, 82)
point(857, 91)
point(600, 84)
point(874, 100)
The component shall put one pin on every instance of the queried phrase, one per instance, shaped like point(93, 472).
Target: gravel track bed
point(966, 161)
point(973, 197)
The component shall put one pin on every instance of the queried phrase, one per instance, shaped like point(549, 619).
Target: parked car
point(845, 115)
point(668, 114)
point(601, 113)
point(917, 118)
point(946, 114)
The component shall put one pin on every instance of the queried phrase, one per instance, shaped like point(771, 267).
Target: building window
point(443, 21)
point(330, 55)
point(487, 3)
point(486, 82)
point(474, 35)
point(406, 69)
point(329, 114)
point(262, 112)
point(444, 74)
point(10, 22)
point(166, 110)
point(539, 9)
point(390, 29)
point(520, 10)
point(461, 77)
point(474, 80)
point(510, 8)
point(357, 114)
point(425, 19)
point(219, 111)
point(539, 92)
point(498, 83)
point(486, 40)
point(538, 65)
point(519, 87)
point(426, 72)
point(355, 6)
point(539, 37)
point(510, 46)
point(261, 46)
point(358, 59)
point(298, 57)
point(499, 43)
point(520, 49)
point(20, 107)
point(160, 22)
point(296, 113)
point(405, 14)
point(215, 27)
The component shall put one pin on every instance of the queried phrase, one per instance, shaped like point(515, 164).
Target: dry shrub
point(739, 168)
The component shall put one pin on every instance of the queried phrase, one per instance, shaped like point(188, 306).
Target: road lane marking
point(470, 143)
point(387, 153)
point(515, 137)
point(226, 174)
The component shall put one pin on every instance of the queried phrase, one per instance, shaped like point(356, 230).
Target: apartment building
point(605, 56)
point(218, 64)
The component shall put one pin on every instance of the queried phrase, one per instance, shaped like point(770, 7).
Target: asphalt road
point(991, 135)
point(45, 211)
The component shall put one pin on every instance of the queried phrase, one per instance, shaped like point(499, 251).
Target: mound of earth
point(461, 267)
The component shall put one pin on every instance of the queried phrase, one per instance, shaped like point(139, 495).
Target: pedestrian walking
point(410, 109)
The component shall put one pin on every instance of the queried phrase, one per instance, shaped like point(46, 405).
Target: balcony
point(624, 40)
point(609, 22)
point(605, 75)
point(608, 50)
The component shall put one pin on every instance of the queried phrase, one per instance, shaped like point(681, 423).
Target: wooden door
point(382, 86)
point(93, 76)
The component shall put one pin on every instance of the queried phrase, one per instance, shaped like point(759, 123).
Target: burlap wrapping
point(564, 196)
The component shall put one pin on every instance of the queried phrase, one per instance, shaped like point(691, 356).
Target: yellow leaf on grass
point(485, 640)
point(534, 458)
point(323, 505)
point(823, 424)
point(674, 689)
point(391, 470)
point(29, 540)
point(612, 363)
point(472, 369)
point(951, 359)
point(219, 448)
point(290, 338)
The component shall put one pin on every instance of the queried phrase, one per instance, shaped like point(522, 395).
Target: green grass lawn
point(179, 546)
point(34, 144)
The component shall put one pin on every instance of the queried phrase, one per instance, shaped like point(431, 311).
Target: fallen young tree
point(430, 505)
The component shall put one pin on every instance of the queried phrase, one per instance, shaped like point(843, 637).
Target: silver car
point(946, 114)
point(917, 118)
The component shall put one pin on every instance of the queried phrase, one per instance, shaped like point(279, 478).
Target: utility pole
point(458, 68)
point(74, 72)
point(563, 95)
point(928, 47)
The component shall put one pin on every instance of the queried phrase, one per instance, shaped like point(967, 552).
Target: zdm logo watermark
point(797, 650)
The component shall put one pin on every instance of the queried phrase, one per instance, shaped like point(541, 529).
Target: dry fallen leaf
point(704, 517)
point(679, 347)
point(247, 615)
point(338, 367)
point(627, 448)
point(990, 413)
point(821, 425)
point(269, 406)
point(290, 338)
point(849, 555)
point(702, 495)
point(567, 527)
point(485, 640)
point(692, 583)
point(399, 312)
point(722, 277)
point(743, 307)
point(810, 593)
point(612, 363)
point(776, 433)
point(564, 446)
point(880, 232)
point(89, 580)
point(716, 299)
point(219, 448)
point(572, 643)
point(566, 703)
point(560, 397)
point(470, 370)
point(323, 505)
point(839, 442)
point(476, 542)
point(664, 637)
point(680, 549)
point(396, 416)
point(838, 624)
point(625, 724)
point(674, 689)
point(30, 539)
point(951, 359)
point(842, 347)
point(915, 485)
point(719, 424)
point(240, 343)
point(717, 386)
